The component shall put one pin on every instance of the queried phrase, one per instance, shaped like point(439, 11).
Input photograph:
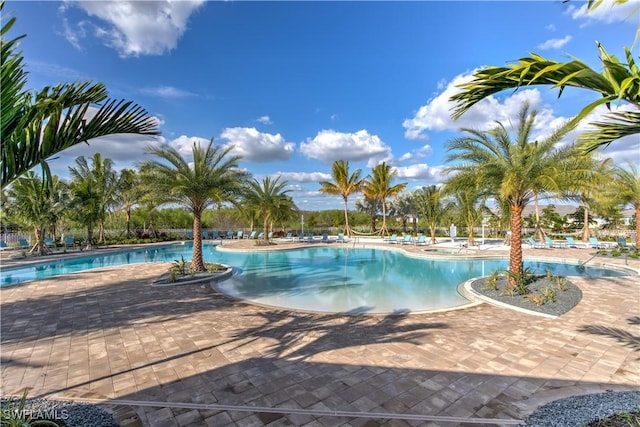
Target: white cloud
point(168, 92)
point(265, 120)
point(421, 172)
point(554, 43)
point(134, 28)
point(435, 115)
point(608, 12)
point(329, 145)
point(420, 153)
point(257, 146)
point(184, 144)
point(550, 27)
point(304, 176)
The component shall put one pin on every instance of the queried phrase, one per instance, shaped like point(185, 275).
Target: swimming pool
point(322, 278)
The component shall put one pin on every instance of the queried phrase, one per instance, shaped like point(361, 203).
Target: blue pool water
point(325, 279)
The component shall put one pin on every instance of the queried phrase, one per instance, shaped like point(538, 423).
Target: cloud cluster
point(329, 145)
point(167, 92)
point(133, 28)
point(304, 176)
point(608, 12)
point(255, 146)
point(421, 172)
point(435, 115)
point(265, 120)
point(413, 155)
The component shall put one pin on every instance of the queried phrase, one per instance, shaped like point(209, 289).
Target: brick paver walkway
point(108, 334)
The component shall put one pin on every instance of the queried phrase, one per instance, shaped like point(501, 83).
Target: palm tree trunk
point(515, 251)
point(585, 228)
point(432, 230)
point(197, 263)
point(265, 229)
point(128, 220)
point(101, 231)
point(383, 229)
point(347, 229)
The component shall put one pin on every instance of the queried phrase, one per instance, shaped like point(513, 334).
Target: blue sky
point(294, 86)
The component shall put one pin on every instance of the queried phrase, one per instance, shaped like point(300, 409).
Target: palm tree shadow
point(626, 338)
point(300, 336)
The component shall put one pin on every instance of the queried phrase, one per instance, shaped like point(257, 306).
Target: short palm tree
point(432, 207)
point(129, 193)
point(380, 186)
point(615, 83)
point(35, 126)
point(269, 200)
point(35, 205)
point(470, 206)
point(513, 170)
point(627, 190)
point(197, 185)
point(105, 182)
point(344, 185)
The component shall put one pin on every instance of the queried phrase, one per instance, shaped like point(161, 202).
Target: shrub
point(492, 281)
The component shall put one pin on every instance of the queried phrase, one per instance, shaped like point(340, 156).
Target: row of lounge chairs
point(408, 239)
point(21, 244)
point(570, 242)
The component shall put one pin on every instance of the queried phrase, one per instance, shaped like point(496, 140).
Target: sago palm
point(380, 186)
point(344, 185)
point(617, 82)
point(35, 125)
point(514, 170)
point(196, 185)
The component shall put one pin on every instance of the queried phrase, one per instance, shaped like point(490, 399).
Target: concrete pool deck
point(106, 334)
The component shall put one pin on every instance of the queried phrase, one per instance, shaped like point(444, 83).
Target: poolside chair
point(535, 244)
point(260, 236)
point(205, 235)
point(23, 244)
point(341, 238)
point(252, 235)
point(393, 238)
point(230, 234)
point(573, 244)
point(4, 246)
point(596, 244)
point(50, 244)
point(69, 242)
point(623, 245)
point(215, 235)
point(310, 238)
point(422, 240)
point(325, 238)
point(239, 235)
point(270, 235)
point(553, 244)
point(407, 239)
point(289, 237)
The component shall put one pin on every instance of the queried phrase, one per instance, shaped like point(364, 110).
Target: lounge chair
point(573, 244)
point(49, 243)
point(270, 235)
point(4, 246)
point(393, 239)
point(289, 237)
point(205, 235)
point(215, 235)
point(69, 242)
point(230, 234)
point(422, 240)
point(325, 238)
point(238, 235)
point(554, 244)
point(341, 238)
point(252, 235)
point(407, 239)
point(535, 244)
point(623, 245)
point(260, 236)
point(23, 244)
point(310, 238)
point(596, 244)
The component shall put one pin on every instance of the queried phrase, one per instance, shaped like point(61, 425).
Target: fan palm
point(211, 177)
point(269, 199)
point(514, 170)
point(380, 186)
point(343, 185)
point(36, 125)
point(617, 82)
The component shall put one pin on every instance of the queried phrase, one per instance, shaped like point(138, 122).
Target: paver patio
point(108, 334)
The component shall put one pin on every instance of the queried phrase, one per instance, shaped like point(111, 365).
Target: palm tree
point(211, 175)
point(35, 205)
point(513, 170)
point(343, 185)
point(105, 183)
point(379, 186)
point(269, 199)
point(470, 207)
point(432, 207)
point(85, 206)
point(36, 125)
point(627, 190)
point(371, 207)
point(129, 193)
point(617, 82)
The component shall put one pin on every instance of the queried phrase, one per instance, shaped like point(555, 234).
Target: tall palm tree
point(432, 207)
point(105, 183)
point(380, 186)
point(514, 170)
point(343, 185)
point(36, 125)
point(269, 199)
point(627, 190)
point(129, 193)
point(616, 82)
point(212, 174)
point(85, 206)
point(35, 205)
